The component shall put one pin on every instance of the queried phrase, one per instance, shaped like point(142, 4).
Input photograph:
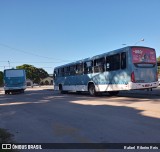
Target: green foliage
point(158, 59)
point(1, 78)
point(33, 73)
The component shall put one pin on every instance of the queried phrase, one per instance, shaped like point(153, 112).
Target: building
point(29, 82)
point(47, 81)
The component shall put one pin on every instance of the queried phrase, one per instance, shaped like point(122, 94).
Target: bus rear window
point(14, 73)
point(143, 55)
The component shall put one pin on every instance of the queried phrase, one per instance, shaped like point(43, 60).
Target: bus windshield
point(143, 56)
point(14, 73)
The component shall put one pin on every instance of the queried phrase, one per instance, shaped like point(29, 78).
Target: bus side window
point(72, 70)
point(65, 71)
point(88, 67)
point(107, 63)
point(79, 69)
point(123, 60)
point(58, 72)
point(62, 72)
point(113, 62)
point(99, 65)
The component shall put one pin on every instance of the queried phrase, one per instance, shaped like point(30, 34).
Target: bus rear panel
point(144, 68)
point(14, 80)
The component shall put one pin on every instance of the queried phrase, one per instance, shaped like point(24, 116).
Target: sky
point(49, 33)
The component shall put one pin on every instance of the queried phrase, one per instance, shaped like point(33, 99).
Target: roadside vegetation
point(158, 59)
point(32, 73)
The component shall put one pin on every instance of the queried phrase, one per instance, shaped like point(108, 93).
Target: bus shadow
point(107, 95)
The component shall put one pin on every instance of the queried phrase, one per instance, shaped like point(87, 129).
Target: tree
point(33, 73)
point(1, 78)
point(158, 59)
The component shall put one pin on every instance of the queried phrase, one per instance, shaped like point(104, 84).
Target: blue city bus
point(14, 80)
point(128, 68)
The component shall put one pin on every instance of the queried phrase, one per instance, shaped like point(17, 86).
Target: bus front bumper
point(14, 88)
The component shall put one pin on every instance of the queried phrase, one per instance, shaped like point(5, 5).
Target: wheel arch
point(89, 83)
point(60, 86)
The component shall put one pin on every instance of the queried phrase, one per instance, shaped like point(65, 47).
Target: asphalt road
point(43, 116)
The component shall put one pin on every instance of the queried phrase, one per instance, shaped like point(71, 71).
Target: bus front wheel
point(61, 89)
point(7, 92)
point(92, 90)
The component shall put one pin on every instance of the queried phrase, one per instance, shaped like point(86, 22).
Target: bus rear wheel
point(92, 90)
point(113, 93)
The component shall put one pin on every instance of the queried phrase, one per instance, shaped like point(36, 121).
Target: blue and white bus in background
point(128, 68)
point(14, 80)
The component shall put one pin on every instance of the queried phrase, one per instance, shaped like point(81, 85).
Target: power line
point(34, 62)
point(29, 53)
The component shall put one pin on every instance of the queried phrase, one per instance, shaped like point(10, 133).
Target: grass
point(6, 137)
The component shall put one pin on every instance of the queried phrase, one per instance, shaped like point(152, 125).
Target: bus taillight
point(132, 77)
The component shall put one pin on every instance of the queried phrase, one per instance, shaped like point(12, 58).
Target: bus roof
point(12, 69)
point(116, 51)
point(72, 63)
point(101, 55)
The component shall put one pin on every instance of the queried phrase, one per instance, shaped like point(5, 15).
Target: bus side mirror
point(54, 76)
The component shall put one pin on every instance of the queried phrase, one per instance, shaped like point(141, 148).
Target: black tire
point(113, 93)
point(92, 90)
point(61, 89)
